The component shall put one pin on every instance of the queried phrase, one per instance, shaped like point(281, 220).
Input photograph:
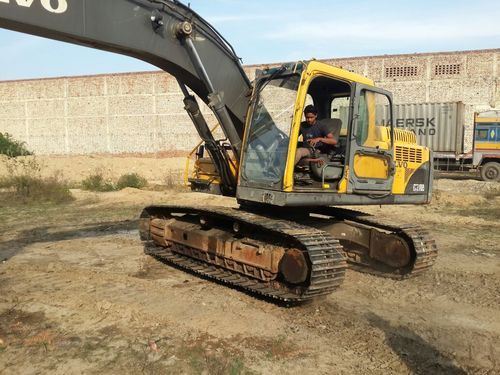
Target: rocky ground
point(77, 295)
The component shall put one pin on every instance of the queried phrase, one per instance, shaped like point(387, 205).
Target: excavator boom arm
point(164, 33)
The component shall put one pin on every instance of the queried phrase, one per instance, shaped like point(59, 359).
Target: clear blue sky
point(285, 30)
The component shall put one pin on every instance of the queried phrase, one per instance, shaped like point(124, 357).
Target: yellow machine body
point(380, 164)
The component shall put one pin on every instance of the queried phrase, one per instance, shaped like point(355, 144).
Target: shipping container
point(439, 126)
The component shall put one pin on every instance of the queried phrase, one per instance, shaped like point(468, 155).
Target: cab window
point(482, 134)
point(373, 109)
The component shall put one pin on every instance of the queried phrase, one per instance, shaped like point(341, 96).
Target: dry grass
point(24, 184)
point(174, 180)
point(45, 338)
point(493, 191)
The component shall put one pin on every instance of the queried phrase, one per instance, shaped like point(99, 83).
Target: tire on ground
point(490, 171)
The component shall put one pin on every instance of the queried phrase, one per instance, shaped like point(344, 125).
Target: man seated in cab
point(316, 133)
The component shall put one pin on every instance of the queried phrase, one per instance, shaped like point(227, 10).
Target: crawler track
point(418, 240)
point(324, 253)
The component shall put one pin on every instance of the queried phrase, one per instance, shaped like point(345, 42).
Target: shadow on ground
point(420, 356)
point(44, 234)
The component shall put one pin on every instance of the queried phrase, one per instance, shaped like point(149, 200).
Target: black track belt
point(325, 254)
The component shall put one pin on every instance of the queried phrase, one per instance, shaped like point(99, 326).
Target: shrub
point(132, 180)
point(33, 189)
point(25, 183)
point(11, 147)
point(96, 182)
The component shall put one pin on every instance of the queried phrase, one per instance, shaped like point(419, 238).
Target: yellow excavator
point(289, 240)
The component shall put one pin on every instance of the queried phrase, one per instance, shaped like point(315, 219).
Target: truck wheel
point(490, 171)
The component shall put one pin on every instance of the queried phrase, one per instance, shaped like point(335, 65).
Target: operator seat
point(334, 125)
point(332, 167)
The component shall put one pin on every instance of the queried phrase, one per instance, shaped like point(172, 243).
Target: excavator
point(291, 239)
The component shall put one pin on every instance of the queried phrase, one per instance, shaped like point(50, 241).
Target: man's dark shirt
point(318, 130)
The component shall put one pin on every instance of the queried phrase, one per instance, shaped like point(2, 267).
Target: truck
point(485, 154)
point(287, 241)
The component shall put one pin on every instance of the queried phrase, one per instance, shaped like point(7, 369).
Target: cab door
point(370, 147)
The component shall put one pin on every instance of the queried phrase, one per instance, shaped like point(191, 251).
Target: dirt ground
point(77, 294)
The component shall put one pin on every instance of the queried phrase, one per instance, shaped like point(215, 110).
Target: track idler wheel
point(390, 250)
point(293, 266)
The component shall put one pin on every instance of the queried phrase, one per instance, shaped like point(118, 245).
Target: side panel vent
point(408, 154)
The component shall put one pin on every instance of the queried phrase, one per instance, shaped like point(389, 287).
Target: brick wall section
point(122, 113)
point(143, 112)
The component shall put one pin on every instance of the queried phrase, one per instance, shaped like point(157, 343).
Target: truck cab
point(486, 148)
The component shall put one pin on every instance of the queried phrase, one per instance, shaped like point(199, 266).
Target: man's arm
point(326, 140)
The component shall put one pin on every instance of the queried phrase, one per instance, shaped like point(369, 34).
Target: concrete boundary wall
point(143, 112)
point(122, 113)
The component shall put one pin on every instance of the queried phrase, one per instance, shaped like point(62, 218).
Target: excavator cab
point(359, 169)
